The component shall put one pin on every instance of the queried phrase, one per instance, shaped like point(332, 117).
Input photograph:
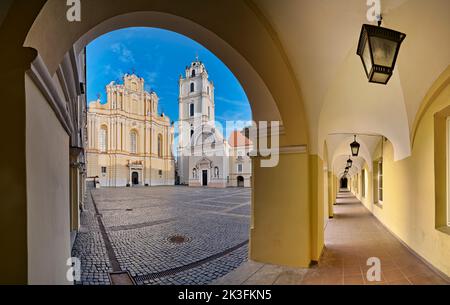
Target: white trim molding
point(43, 80)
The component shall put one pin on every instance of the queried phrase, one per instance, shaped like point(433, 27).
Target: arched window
point(192, 133)
point(194, 173)
point(191, 110)
point(160, 146)
point(192, 87)
point(103, 139)
point(133, 142)
point(193, 73)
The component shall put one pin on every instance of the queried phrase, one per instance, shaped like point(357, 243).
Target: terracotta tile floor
point(352, 237)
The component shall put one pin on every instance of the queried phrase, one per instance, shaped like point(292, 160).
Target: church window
point(103, 139)
point(103, 169)
point(191, 110)
point(239, 168)
point(160, 146)
point(192, 133)
point(192, 87)
point(193, 73)
point(133, 142)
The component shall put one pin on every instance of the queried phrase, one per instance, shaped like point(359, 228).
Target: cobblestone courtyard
point(130, 229)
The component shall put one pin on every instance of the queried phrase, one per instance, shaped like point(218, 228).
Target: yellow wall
point(408, 208)
point(317, 206)
point(48, 191)
point(280, 232)
point(331, 193)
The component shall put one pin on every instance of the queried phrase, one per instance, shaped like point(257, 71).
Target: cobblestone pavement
point(139, 222)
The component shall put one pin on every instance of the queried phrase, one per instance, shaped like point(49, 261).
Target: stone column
point(15, 60)
point(281, 209)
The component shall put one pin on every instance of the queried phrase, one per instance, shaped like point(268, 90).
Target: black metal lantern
point(349, 163)
point(355, 148)
point(378, 48)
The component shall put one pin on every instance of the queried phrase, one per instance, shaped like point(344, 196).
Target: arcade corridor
point(351, 237)
point(300, 66)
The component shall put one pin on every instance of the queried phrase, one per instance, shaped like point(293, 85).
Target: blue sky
point(160, 56)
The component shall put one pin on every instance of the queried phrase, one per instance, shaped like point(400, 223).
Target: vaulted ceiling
point(320, 39)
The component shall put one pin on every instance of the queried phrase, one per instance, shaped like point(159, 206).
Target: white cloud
point(125, 54)
point(150, 79)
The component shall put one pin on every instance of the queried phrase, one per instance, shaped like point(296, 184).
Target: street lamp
point(378, 48)
point(355, 148)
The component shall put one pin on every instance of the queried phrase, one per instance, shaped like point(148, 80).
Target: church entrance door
point(135, 178)
point(205, 178)
point(240, 181)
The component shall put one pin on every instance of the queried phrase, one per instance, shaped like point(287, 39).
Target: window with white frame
point(191, 110)
point(160, 146)
point(133, 142)
point(102, 139)
point(380, 181)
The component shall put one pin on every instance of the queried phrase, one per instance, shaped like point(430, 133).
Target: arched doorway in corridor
point(344, 183)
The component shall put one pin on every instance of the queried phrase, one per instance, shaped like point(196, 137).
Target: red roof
point(238, 139)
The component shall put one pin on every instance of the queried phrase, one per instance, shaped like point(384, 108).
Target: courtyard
point(168, 235)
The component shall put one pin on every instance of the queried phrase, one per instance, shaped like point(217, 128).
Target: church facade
point(129, 143)
point(205, 157)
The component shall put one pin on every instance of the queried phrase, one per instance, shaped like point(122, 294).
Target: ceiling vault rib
point(273, 34)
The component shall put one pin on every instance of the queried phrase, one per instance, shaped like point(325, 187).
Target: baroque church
point(205, 157)
point(129, 143)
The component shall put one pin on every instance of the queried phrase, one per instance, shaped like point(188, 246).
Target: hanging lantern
point(349, 163)
point(355, 148)
point(378, 48)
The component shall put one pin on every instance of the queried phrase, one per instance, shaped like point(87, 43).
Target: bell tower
point(196, 109)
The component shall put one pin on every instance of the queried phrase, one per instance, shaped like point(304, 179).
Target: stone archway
point(271, 83)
